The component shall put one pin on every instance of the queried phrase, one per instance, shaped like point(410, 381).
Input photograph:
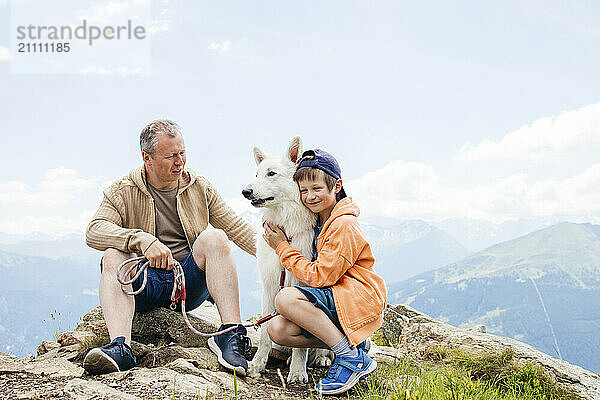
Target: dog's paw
point(320, 358)
point(297, 376)
point(255, 369)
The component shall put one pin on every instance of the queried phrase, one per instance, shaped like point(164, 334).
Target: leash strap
point(178, 293)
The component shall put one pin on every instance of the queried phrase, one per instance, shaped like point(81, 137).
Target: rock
point(155, 326)
point(52, 367)
point(27, 358)
point(75, 337)
point(184, 367)
point(46, 346)
point(203, 358)
point(163, 356)
point(387, 354)
point(82, 389)
point(477, 328)
point(140, 349)
point(173, 382)
point(226, 380)
point(69, 353)
point(208, 313)
point(7, 357)
point(93, 322)
point(10, 364)
point(28, 396)
point(420, 335)
point(55, 367)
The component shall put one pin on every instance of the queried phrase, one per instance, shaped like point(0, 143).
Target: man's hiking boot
point(230, 348)
point(115, 356)
point(345, 372)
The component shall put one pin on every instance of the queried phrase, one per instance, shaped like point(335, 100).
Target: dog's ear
point(294, 149)
point(259, 156)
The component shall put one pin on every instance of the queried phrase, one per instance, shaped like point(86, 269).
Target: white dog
point(278, 195)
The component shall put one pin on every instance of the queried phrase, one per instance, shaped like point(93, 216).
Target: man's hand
point(159, 256)
point(274, 235)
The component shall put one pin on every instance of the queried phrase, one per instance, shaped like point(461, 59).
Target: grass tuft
point(90, 343)
point(458, 375)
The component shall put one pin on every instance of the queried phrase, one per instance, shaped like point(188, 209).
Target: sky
point(434, 109)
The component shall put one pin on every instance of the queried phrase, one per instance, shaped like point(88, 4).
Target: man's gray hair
point(148, 137)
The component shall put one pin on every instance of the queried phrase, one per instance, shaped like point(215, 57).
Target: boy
point(343, 303)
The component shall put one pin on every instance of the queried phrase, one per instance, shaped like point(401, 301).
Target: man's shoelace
point(241, 342)
point(122, 349)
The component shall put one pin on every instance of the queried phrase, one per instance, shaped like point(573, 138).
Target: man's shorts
point(159, 287)
point(322, 298)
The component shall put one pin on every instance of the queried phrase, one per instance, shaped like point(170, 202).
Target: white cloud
point(160, 25)
point(111, 12)
point(221, 48)
point(63, 201)
point(90, 292)
point(414, 190)
point(92, 69)
point(60, 186)
point(5, 54)
point(549, 136)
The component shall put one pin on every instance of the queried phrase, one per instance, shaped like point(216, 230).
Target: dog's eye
point(271, 173)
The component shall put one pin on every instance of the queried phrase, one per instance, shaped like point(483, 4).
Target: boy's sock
point(343, 348)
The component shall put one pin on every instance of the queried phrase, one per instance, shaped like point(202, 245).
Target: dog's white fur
point(277, 194)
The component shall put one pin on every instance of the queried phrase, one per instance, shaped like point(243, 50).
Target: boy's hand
point(273, 235)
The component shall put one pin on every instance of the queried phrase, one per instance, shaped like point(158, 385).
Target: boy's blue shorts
point(322, 298)
point(160, 286)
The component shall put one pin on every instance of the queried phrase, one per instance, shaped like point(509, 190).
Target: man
point(162, 210)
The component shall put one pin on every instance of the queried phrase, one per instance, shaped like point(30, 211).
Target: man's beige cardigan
point(126, 220)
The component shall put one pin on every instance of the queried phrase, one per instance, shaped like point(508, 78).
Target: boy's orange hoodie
point(345, 263)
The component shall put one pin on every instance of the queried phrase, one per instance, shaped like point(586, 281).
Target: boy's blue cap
point(322, 160)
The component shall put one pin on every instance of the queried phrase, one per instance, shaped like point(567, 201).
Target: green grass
point(90, 343)
point(458, 375)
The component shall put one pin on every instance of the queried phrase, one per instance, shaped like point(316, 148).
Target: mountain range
point(40, 297)
point(542, 288)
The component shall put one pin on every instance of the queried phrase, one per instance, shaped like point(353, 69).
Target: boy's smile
point(315, 196)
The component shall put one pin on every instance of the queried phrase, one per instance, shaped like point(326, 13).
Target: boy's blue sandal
point(115, 356)
point(365, 345)
point(230, 348)
point(345, 372)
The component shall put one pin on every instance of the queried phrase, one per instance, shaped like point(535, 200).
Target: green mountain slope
point(542, 288)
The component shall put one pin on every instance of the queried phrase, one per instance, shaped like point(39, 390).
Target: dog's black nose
point(247, 193)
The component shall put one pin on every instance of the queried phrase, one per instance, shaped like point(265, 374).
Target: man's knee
point(112, 258)
point(211, 240)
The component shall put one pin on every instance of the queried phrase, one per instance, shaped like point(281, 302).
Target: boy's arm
point(339, 252)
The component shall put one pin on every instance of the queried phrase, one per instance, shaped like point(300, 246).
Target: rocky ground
point(173, 363)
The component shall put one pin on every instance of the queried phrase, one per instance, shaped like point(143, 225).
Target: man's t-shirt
point(168, 225)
